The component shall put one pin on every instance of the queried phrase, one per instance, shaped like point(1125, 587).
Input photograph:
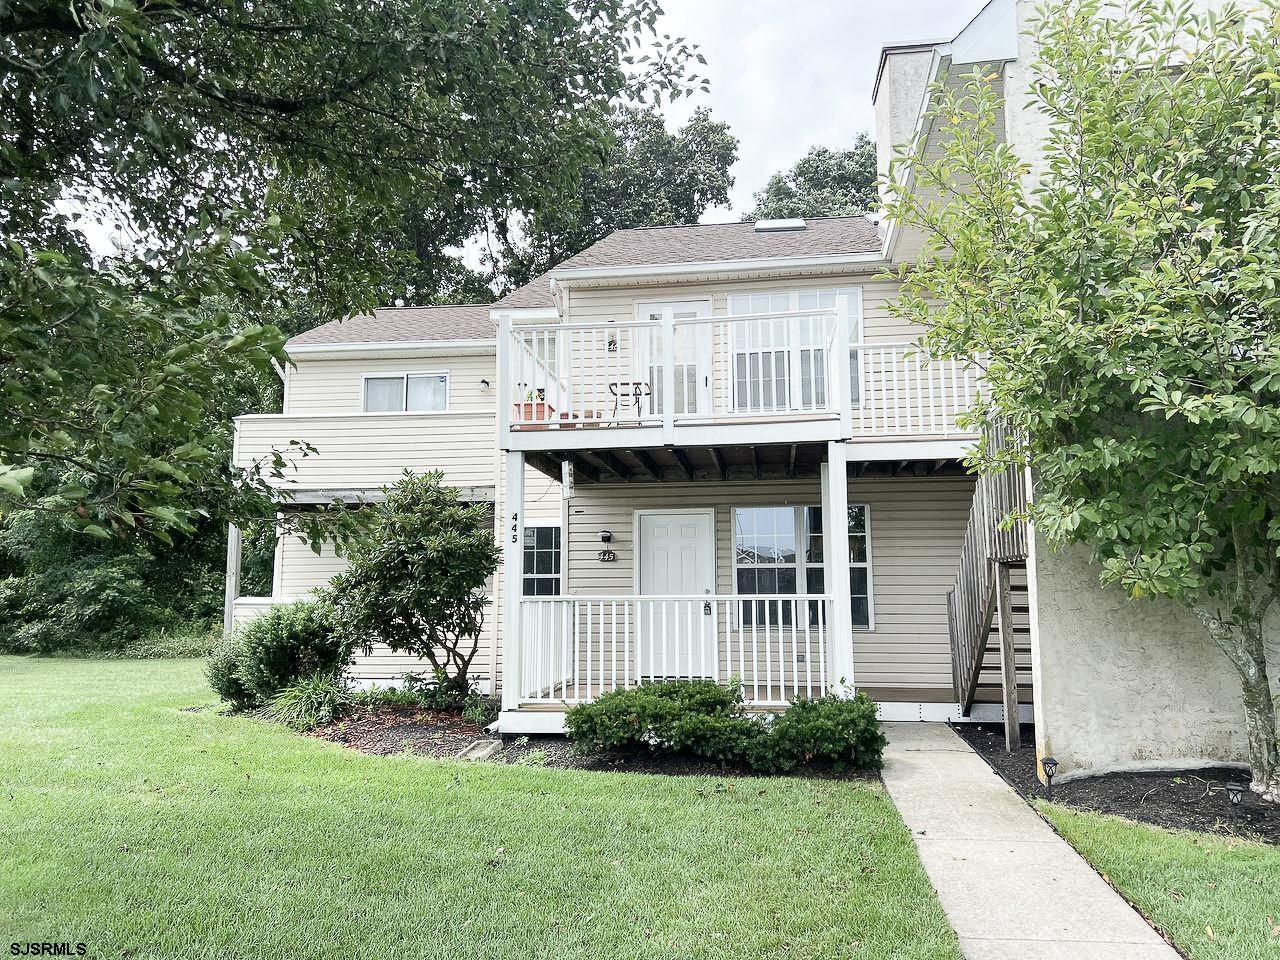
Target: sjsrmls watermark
point(46, 949)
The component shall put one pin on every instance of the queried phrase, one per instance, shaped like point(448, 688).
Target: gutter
point(644, 270)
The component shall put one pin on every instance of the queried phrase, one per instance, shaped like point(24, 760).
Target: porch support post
point(232, 586)
point(835, 543)
point(1008, 665)
point(512, 568)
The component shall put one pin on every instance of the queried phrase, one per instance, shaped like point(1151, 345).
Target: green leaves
point(822, 183)
point(1128, 301)
point(14, 480)
point(260, 163)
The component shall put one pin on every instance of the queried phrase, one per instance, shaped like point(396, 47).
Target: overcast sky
point(788, 74)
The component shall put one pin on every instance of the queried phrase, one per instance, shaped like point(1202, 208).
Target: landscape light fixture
point(1050, 766)
point(1235, 794)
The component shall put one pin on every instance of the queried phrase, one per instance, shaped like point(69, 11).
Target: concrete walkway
point(1012, 888)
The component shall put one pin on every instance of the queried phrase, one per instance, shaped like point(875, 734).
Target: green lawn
point(1217, 898)
point(145, 830)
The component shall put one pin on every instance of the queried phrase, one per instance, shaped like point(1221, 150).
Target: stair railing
point(988, 541)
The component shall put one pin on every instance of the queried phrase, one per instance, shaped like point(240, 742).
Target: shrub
point(311, 701)
point(223, 671)
point(480, 710)
point(703, 719)
point(284, 644)
point(417, 580)
point(657, 716)
point(843, 733)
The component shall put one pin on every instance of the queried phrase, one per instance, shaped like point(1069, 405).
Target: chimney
point(901, 82)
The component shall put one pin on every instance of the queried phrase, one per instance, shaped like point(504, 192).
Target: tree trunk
point(1243, 646)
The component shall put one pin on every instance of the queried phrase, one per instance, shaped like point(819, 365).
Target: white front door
point(676, 556)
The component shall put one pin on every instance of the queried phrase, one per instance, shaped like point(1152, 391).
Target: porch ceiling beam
point(586, 470)
point(616, 466)
point(682, 458)
point(544, 463)
point(595, 461)
point(791, 460)
point(647, 464)
point(718, 459)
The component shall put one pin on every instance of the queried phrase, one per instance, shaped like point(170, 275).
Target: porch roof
point(789, 461)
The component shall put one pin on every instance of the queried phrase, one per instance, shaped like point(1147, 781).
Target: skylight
point(779, 226)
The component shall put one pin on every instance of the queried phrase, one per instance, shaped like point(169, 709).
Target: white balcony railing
point(733, 369)
point(900, 391)
point(664, 372)
point(573, 649)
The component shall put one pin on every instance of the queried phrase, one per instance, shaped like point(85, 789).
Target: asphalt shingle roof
point(535, 293)
point(396, 324)
point(708, 242)
point(645, 246)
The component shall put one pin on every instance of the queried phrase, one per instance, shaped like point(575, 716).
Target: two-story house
point(713, 452)
point(713, 449)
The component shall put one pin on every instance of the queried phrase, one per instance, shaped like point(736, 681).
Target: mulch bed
point(385, 729)
point(1177, 799)
point(442, 734)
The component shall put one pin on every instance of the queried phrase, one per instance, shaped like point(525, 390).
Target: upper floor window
point(399, 392)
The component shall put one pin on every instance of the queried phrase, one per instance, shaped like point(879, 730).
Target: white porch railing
point(662, 372)
point(575, 648)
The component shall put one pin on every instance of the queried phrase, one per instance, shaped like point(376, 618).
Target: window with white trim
point(542, 557)
point(780, 362)
point(778, 549)
point(406, 392)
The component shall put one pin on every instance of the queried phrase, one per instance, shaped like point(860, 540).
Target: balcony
point(365, 451)
point(742, 379)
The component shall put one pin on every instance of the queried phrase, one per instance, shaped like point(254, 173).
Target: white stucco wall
point(1127, 684)
point(897, 105)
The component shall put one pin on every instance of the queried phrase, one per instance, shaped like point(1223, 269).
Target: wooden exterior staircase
point(988, 609)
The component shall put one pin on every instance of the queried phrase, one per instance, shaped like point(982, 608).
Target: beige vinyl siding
point(334, 386)
point(369, 450)
point(301, 571)
point(917, 527)
point(600, 304)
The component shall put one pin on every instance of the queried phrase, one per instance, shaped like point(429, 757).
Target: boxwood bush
point(286, 643)
point(706, 720)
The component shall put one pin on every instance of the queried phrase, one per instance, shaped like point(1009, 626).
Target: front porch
point(797, 571)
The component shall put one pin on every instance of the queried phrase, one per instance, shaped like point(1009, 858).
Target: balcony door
point(691, 352)
point(675, 557)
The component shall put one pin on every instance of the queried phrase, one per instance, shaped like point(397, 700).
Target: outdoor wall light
point(606, 536)
point(1050, 766)
point(484, 384)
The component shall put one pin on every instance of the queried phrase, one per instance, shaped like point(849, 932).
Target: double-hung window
point(780, 359)
point(779, 550)
point(401, 392)
point(541, 575)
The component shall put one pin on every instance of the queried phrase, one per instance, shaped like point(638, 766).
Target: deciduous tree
point(1129, 305)
point(822, 183)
